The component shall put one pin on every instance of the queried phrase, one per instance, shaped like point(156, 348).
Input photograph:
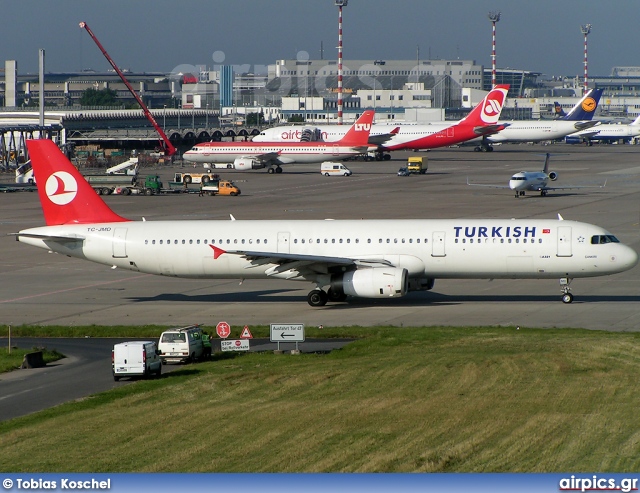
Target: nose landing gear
point(567, 297)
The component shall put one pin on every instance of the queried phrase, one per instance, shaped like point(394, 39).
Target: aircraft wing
point(490, 129)
point(583, 125)
point(571, 187)
point(299, 264)
point(485, 185)
point(589, 134)
point(266, 157)
point(383, 138)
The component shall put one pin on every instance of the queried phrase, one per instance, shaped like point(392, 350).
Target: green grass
point(426, 399)
point(12, 359)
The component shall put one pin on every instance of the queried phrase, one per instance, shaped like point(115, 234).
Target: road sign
point(287, 332)
point(246, 333)
point(235, 345)
point(223, 330)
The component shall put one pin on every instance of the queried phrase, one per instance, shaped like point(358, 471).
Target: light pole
point(493, 17)
point(585, 30)
point(164, 118)
point(207, 117)
point(340, 4)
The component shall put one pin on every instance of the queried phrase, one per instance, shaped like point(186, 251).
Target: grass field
point(397, 400)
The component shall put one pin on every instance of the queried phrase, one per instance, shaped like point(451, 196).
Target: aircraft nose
point(630, 257)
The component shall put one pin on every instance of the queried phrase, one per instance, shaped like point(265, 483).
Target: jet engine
point(553, 176)
point(246, 163)
point(378, 282)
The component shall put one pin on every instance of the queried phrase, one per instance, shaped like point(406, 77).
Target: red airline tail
point(487, 112)
point(358, 134)
point(65, 195)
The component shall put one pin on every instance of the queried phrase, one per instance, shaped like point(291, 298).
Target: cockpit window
point(601, 239)
point(519, 178)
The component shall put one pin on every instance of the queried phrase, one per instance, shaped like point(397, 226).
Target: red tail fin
point(65, 195)
point(487, 112)
point(358, 134)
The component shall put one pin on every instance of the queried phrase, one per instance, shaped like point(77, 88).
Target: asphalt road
point(86, 370)
point(41, 288)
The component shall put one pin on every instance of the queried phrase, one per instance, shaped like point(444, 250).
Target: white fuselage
point(452, 248)
point(406, 134)
point(218, 152)
point(528, 181)
point(534, 131)
point(608, 131)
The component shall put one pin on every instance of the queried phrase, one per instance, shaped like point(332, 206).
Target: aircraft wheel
point(317, 297)
point(489, 149)
point(271, 171)
point(387, 157)
point(567, 298)
point(477, 149)
point(278, 169)
point(229, 166)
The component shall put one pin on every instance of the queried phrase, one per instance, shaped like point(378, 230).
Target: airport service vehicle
point(189, 178)
point(331, 168)
point(220, 187)
point(482, 120)
point(404, 172)
point(181, 345)
point(255, 155)
point(129, 167)
point(534, 181)
point(135, 359)
point(360, 258)
point(124, 184)
point(24, 174)
point(417, 165)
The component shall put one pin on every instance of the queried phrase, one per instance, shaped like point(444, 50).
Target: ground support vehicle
point(189, 178)
point(135, 359)
point(332, 168)
point(124, 184)
point(417, 165)
point(181, 345)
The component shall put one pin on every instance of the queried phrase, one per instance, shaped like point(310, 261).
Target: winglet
point(66, 197)
point(217, 251)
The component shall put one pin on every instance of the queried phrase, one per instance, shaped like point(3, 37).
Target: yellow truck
point(417, 165)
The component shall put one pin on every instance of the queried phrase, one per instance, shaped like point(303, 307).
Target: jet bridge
point(13, 149)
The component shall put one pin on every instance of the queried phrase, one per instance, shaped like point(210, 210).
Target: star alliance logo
point(61, 188)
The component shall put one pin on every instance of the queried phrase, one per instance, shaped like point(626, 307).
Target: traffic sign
point(246, 333)
point(223, 330)
point(235, 345)
point(287, 332)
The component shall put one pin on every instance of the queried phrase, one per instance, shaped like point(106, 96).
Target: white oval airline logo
point(61, 188)
point(493, 106)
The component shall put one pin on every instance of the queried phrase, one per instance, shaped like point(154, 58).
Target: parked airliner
point(534, 181)
point(253, 155)
point(482, 120)
point(606, 132)
point(362, 258)
point(579, 118)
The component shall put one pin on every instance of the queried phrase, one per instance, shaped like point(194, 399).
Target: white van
point(329, 168)
point(181, 345)
point(135, 359)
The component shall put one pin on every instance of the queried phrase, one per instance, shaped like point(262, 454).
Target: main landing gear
point(519, 193)
point(567, 297)
point(272, 170)
point(319, 297)
point(483, 147)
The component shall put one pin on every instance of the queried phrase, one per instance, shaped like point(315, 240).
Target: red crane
point(165, 143)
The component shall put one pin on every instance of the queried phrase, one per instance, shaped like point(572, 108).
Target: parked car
point(404, 172)
point(135, 359)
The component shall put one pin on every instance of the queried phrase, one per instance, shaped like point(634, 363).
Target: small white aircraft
point(534, 181)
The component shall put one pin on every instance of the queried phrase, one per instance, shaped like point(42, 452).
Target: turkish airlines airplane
point(362, 258)
point(482, 120)
point(534, 181)
point(253, 155)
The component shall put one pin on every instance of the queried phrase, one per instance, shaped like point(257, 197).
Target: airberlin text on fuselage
point(297, 135)
point(495, 232)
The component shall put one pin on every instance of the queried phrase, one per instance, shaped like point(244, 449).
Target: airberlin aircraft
point(481, 121)
point(360, 258)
